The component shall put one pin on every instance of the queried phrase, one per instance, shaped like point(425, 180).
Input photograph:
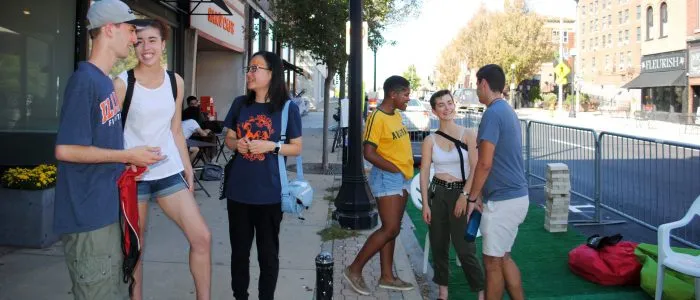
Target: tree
point(412, 76)
point(447, 68)
point(513, 36)
point(318, 27)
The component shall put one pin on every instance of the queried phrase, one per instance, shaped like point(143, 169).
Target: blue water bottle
point(472, 226)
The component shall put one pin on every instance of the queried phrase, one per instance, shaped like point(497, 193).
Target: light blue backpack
point(297, 194)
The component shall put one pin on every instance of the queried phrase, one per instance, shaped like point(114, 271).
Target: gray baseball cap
point(111, 11)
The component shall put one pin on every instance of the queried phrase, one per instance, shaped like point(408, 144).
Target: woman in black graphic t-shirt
point(253, 184)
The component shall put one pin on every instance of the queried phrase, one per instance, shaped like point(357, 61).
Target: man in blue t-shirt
point(499, 178)
point(91, 157)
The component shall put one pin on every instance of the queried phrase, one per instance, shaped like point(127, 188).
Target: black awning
point(293, 68)
point(658, 79)
point(219, 3)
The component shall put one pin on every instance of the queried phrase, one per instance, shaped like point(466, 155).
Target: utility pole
point(355, 205)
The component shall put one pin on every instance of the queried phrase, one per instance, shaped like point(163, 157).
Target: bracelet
point(471, 201)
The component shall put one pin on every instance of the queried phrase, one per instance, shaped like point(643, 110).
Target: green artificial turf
point(542, 258)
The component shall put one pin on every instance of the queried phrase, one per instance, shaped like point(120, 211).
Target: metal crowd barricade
point(577, 147)
point(649, 181)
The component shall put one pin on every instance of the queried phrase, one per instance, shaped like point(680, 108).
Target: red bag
point(610, 265)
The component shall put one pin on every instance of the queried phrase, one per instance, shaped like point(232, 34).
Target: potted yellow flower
point(27, 206)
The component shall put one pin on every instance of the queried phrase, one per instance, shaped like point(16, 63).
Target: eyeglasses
point(254, 69)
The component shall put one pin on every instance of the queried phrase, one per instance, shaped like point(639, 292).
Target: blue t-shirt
point(87, 197)
point(501, 127)
point(255, 178)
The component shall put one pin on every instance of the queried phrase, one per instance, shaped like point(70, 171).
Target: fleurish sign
point(664, 62)
point(222, 29)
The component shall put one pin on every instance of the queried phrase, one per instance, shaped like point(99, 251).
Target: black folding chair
point(220, 145)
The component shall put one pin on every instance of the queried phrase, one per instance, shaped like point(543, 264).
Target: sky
point(420, 40)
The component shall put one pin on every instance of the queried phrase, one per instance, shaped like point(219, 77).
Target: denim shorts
point(151, 189)
point(383, 183)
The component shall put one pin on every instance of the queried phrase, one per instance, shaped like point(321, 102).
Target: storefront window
point(665, 99)
point(37, 45)
point(270, 39)
point(285, 53)
point(256, 35)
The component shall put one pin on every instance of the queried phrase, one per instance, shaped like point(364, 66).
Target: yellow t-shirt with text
point(387, 133)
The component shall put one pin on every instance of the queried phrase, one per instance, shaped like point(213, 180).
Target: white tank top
point(447, 162)
point(148, 124)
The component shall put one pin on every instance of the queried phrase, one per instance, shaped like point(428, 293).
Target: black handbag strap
point(131, 82)
point(458, 144)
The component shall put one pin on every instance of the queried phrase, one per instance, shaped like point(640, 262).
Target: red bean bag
point(611, 264)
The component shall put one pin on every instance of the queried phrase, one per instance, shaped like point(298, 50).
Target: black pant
point(263, 221)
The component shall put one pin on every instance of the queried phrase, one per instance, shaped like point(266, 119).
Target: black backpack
point(130, 82)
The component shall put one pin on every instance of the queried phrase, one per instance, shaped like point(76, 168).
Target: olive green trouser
point(444, 226)
point(94, 260)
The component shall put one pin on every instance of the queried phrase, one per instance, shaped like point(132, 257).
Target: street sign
point(562, 70)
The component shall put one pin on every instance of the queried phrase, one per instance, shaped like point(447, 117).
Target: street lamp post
point(574, 82)
point(375, 71)
point(572, 109)
point(355, 206)
point(512, 84)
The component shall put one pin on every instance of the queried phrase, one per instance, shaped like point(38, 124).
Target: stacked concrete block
point(557, 197)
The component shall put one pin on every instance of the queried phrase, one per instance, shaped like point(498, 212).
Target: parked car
point(467, 100)
point(416, 117)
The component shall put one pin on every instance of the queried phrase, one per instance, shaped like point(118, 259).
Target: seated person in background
point(193, 111)
point(189, 127)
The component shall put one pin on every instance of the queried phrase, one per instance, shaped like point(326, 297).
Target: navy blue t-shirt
point(255, 179)
point(87, 197)
point(501, 127)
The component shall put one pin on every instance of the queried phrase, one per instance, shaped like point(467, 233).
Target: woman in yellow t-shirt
point(388, 147)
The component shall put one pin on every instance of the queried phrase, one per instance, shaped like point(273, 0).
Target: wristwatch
point(278, 146)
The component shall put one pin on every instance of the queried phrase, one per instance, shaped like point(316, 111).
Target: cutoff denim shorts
point(152, 189)
point(383, 183)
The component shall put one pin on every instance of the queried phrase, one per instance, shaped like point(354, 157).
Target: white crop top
point(447, 162)
point(148, 124)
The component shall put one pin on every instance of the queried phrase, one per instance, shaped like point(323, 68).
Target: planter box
point(26, 218)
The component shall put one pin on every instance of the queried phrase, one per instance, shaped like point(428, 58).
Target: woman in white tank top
point(444, 197)
point(154, 119)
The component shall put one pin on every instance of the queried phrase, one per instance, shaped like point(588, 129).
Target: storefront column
point(693, 94)
point(191, 40)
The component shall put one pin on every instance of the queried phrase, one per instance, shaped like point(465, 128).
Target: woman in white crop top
point(445, 198)
point(154, 119)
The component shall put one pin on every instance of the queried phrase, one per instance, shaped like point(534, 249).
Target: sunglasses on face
point(254, 68)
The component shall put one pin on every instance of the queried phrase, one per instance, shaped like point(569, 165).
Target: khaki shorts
point(499, 224)
point(94, 260)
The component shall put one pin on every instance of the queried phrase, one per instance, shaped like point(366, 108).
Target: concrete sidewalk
point(42, 274)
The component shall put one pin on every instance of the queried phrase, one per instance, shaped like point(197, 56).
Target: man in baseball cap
point(91, 156)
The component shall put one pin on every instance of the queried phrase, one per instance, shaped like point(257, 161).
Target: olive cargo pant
point(444, 226)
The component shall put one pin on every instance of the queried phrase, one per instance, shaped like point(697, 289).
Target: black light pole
point(375, 70)
point(355, 206)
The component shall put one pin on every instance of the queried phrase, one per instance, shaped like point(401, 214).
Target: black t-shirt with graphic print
point(254, 178)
